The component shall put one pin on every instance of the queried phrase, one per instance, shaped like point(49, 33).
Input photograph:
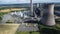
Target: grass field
point(12, 9)
point(31, 32)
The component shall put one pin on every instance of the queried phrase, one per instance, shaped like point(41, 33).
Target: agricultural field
point(31, 32)
point(12, 9)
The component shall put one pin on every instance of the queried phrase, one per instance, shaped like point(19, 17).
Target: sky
point(27, 1)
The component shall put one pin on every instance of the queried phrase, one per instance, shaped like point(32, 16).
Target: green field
point(26, 32)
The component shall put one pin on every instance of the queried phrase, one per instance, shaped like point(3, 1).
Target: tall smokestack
point(31, 5)
point(48, 17)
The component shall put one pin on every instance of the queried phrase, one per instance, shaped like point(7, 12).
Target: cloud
point(14, 1)
point(27, 1)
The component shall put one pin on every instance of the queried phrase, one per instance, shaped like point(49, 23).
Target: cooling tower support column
point(48, 17)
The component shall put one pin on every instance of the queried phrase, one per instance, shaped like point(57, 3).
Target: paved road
point(6, 17)
point(24, 27)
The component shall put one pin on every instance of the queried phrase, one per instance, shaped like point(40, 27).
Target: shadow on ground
point(43, 29)
point(49, 31)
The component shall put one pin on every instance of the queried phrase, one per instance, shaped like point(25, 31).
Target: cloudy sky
point(27, 1)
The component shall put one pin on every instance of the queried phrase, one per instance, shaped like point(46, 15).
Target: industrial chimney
point(31, 7)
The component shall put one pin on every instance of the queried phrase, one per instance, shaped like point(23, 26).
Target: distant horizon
point(27, 1)
point(24, 3)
